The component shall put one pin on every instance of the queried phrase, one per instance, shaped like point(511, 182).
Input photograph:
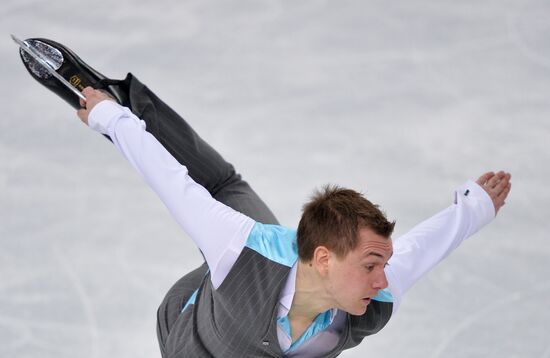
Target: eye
point(369, 268)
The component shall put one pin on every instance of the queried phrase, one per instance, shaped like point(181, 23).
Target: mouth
point(366, 300)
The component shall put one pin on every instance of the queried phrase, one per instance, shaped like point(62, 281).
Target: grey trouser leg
point(206, 167)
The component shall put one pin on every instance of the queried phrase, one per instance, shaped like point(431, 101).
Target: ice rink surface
point(402, 100)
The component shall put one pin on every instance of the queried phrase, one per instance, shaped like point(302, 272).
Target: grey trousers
point(206, 167)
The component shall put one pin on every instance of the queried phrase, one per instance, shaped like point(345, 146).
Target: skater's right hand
point(93, 97)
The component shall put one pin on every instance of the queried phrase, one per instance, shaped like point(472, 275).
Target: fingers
point(83, 115)
point(88, 91)
point(501, 184)
point(93, 97)
point(484, 178)
point(504, 193)
point(496, 179)
point(497, 186)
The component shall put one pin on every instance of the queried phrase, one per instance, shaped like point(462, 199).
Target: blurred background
point(401, 100)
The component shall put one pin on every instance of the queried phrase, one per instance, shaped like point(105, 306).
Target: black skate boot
point(73, 69)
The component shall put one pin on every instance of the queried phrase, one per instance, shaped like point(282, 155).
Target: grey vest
point(239, 319)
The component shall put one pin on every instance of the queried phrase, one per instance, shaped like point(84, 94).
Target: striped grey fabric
point(239, 318)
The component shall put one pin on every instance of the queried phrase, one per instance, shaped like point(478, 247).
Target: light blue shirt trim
point(191, 300)
point(384, 296)
point(321, 322)
point(284, 322)
point(277, 243)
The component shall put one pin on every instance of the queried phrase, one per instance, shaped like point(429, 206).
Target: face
point(354, 280)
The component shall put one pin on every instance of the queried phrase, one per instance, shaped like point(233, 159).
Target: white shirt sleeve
point(419, 250)
point(219, 231)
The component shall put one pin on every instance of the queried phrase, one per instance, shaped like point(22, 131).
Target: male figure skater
point(268, 294)
point(266, 290)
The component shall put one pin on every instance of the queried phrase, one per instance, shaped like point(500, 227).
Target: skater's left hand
point(497, 185)
point(93, 97)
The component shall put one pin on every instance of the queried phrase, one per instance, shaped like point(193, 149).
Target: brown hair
point(333, 217)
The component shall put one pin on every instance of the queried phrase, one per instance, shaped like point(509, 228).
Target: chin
point(358, 311)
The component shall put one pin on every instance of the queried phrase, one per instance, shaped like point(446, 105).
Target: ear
point(321, 260)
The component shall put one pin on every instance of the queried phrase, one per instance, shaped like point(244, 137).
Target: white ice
point(402, 100)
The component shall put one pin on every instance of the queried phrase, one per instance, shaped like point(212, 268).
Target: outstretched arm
point(219, 231)
point(419, 250)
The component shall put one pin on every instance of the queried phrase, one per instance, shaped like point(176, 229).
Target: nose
point(381, 281)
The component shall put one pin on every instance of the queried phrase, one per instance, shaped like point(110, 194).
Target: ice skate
point(70, 67)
